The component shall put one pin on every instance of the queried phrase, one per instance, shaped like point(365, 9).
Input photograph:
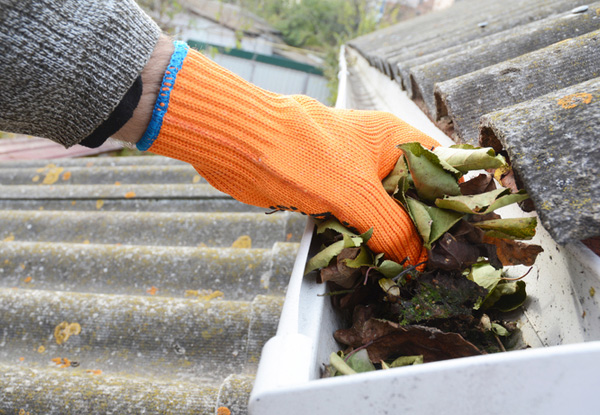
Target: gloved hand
point(285, 152)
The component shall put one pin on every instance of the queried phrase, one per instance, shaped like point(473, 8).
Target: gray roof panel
point(420, 75)
point(466, 98)
point(466, 21)
point(176, 288)
point(554, 144)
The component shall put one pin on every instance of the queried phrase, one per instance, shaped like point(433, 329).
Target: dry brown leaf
point(339, 272)
point(479, 184)
point(388, 340)
point(514, 253)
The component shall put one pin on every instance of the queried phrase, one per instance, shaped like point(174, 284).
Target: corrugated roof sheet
point(522, 73)
point(129, 285)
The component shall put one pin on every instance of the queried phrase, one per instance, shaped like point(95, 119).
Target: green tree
point(319, 25)
point(163, 12)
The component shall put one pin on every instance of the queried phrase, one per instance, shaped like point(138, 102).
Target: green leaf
point(432, 178)
point(513, 300)
point(339, 364)
point(421, 219)
point(442, 221)
point(465, 157)
point(485, 275)
point(488, 277)
point(431, 222)
point(482, 203)
point(360, 362)
point(324, 257)
point(334, 225)
point(366, 236)
point(390, 183)
point(407, 361)
point(390, 269)
point(470, 204)
point(403, 186)
point(506, 296)
point(515, 228)
point(499, 330)
point(508, 200)
point(364, 257)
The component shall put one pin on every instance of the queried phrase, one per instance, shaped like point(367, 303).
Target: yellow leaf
point(36, 178)
point(64, 330)
point(196, 179)
point(211, 296)
point(129, 195)
point(9, 238)
point(243, 241)
point(99, 204)
point(52, 175)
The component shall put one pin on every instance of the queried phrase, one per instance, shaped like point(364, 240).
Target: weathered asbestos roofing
point(129, 285)
point(522, 75)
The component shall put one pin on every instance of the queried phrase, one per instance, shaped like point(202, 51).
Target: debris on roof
point(130, 285)
point(499, 71)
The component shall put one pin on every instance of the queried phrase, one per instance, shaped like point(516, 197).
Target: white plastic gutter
point(561, 321)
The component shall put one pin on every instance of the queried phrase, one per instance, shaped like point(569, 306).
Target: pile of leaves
point(455, 304)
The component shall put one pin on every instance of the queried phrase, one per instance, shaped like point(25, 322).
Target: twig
point(407, 270)
point(499, 342)
point(518, 278)
point(364, 346)
point(367, 275)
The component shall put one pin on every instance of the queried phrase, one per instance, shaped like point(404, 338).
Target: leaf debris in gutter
point(454, 305)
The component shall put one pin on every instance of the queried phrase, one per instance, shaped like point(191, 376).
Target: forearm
point(66, 65)
point(152, 76)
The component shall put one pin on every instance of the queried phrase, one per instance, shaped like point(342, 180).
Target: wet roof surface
point(521, 75)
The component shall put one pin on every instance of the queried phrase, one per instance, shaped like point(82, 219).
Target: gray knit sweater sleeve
point(66, 64)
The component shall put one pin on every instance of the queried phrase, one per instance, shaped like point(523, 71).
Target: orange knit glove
point(284, 152)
